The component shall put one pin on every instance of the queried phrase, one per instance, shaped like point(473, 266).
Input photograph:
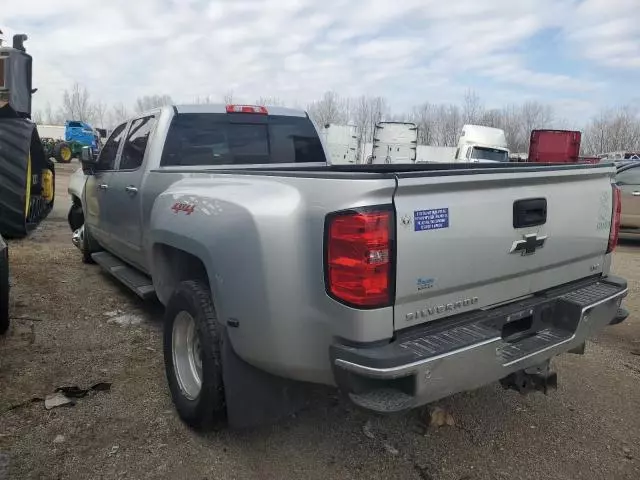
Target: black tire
point(89, 246)
point(63, 153)
point(4, 290)
point(208, 410)
point(15, 144)
point(75, 217)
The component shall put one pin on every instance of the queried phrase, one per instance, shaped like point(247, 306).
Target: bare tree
point(491, 118)
point(76, 104)
point(329, 109)
point(38, 117)
point(511, 122)
point(119, 113)
point(449, 125)
point(533, 115)
point(424, 118)
point(100, 114)
point(205, 100)
point(613, 129)
point(273, 101)
point(149, 102)
point(379, 109)
point(51, 117)
point(472, 108)
point(609, 130)
point(360, 116)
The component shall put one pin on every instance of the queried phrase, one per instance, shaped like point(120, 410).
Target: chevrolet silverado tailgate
point(471, 239)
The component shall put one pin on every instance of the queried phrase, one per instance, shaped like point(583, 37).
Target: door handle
point(529, 212)
point(131, 189)
point(103, 186)
point(635, 194)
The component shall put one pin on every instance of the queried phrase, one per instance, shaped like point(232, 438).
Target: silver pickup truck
point(399, 284)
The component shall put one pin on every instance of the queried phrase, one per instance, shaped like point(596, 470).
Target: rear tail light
point(616, 211)
point(247, 109)
point(359, 257)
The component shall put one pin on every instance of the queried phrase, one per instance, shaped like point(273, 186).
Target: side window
point(136, 143)
point(108, 153)
point(630, 176)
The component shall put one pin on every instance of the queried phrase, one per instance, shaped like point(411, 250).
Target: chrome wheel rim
point(78, 237)
point(187, 357)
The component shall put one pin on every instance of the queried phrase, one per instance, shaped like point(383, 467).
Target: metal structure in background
point(27, 178)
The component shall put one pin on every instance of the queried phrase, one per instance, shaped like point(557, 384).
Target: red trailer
point(554, 146)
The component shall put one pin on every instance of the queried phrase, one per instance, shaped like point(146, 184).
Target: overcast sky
point(575, 54)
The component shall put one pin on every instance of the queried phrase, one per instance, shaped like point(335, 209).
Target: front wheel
point(83, 239)
point(75, 217)
point(192, 357)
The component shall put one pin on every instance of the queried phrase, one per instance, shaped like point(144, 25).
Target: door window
point(630, 176)
point(136, 143)
point(109, 152)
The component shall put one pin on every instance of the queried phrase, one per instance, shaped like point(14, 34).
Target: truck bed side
point(260, 234)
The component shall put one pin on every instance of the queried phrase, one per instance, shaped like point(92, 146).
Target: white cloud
point(606, 32)
point(407, 50)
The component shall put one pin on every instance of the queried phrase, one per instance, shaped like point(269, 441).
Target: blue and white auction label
point(434, 219)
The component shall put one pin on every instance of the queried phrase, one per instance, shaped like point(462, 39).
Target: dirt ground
point(68, 330)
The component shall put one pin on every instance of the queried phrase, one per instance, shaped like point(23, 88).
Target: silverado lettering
point(448, 307)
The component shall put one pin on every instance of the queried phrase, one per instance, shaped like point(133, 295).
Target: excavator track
point(22, 168)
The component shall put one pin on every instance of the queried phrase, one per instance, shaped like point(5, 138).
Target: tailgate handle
point(529, 212)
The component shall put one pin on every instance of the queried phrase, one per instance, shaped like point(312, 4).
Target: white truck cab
point(478, 143)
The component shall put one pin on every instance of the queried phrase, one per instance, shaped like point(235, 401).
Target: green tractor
point(65, 142)
point(27, 175)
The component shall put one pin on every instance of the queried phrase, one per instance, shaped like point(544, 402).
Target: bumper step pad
point(560, 307)
point(465, 352)
point(383, 400)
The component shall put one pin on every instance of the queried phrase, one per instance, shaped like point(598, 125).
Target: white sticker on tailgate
point(433, 219)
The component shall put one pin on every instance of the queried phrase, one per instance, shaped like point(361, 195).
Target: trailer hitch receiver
point(535, 379)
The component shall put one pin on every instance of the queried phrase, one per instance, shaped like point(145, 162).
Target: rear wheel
point(4, 290)
point(192, 357)
point(63, 153)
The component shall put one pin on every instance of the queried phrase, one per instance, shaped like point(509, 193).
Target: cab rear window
point(240, 139)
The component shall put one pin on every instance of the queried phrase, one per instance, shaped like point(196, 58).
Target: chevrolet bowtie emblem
point(529, 244)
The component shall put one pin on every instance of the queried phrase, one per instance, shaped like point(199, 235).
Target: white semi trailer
point(341, 143)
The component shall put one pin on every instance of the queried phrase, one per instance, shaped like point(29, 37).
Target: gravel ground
point(68, 330)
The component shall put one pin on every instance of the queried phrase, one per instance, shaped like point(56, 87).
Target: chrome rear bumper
point(467, 352)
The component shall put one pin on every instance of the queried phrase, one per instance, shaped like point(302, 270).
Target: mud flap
point(254, 397)
point(621, 316)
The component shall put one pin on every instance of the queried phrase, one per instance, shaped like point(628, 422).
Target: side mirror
point(89, 159)
point(88, 156)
